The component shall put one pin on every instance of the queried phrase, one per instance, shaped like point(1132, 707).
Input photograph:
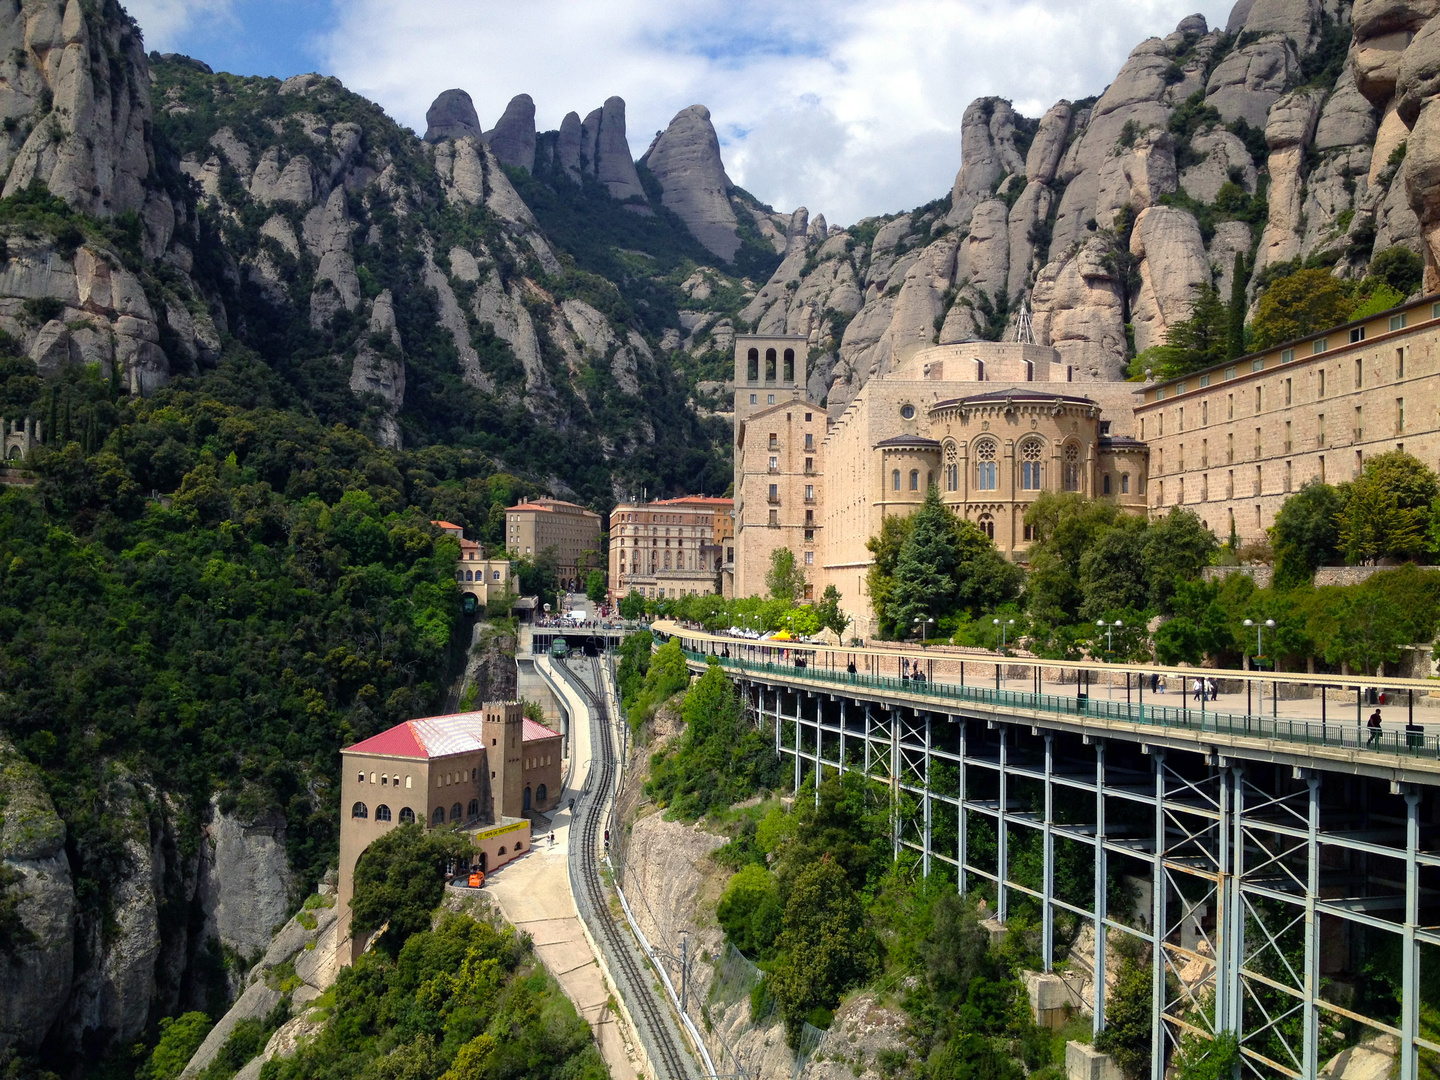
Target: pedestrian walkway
point(533, 894)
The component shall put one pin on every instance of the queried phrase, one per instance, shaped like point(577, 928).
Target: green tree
point(595, 587)
point(539, 576)
point(826, 946)
point(880, 578)
point(1398, 267)
point(828, 610)
point(750, 910)
point(1177, 546)
point(1306, 533)
point(1200, 625)
point(1239, 278)
point(785, 579)
point(1111, 574)
point(632, 605)
point(1065, 526)
point(1387, 509)
point(399, 881)
point(1200, 340)
point(180, 1037)
point(1302, 303)
point(1127, 1032)
point(925, 571)
point(1369, 632)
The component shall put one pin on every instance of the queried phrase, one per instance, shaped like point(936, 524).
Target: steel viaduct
point(1283, 869)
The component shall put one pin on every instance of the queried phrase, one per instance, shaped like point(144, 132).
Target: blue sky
point(848, 107)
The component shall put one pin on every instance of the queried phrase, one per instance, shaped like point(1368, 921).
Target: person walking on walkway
point(1374, 725)
point(1197, 688)
point(1211, 691)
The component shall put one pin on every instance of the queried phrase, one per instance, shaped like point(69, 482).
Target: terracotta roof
point(445, 524)
point(708, 500)
point(429, 737)
point(910, 440)
point(467, 544)
point(537, 731)
point(1012, 395)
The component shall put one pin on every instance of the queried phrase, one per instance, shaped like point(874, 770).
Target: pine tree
point(925, 572)
point(1238, 279)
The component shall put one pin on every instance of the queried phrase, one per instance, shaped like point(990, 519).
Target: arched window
point(914, 479)
point(473, 811)
point(525, 802)
point(752, 366)
point(986, 475)
point(1030, 453)
point(540, 794)
point(1072, 468)
point(502, 851)
point(895, 479)
point(1124, 483)
point(929, 480)
point(456, 811)
point(382, 812)
point(360, 810)
point(789, 365)
point(987, 525)
point(469, 575)
point(952, 467)
point(769, 365)
point(407, 816)
point(1105, 484)
point(438, 818)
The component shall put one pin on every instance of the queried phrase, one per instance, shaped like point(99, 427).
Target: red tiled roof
point(707, 500)
point(445, 524)
point(537, 731)
point(399, 741)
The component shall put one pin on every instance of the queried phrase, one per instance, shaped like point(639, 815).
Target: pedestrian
point(1154, 683)
point(1210, 689)
point(850, 667)
point(1374, 725)
point(1196, 689)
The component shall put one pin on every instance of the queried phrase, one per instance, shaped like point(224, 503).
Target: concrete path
point(533, 893)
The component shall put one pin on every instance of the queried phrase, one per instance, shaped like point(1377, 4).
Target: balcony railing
point(773, 500)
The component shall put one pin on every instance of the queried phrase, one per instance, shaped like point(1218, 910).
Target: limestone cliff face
point(1086, 215)
point(244, 884)
point(685, 158)
point(513, 137)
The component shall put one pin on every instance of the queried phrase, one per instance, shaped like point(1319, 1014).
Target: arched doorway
point(525, 802)
point(483, 861)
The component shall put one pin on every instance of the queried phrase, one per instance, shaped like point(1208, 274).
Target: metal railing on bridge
point(1413, 741)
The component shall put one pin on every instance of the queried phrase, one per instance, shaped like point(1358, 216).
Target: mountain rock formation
point(685, 159)
point(451, 116)
point(513, 137)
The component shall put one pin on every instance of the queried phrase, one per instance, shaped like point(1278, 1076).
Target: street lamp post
point(923, 623)
point(1003, 627)
point(1260, 628)
point(1110, 628)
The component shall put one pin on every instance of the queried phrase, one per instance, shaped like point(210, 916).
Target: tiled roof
point(537, 731)
point(430, 737)
point(1012, 395)
point(707, 500)
point(445, 524)
point(910, 440)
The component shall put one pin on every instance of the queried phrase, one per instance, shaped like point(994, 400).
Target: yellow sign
point(501, 830)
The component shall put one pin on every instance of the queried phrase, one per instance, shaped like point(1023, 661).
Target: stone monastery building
point(485, 771)
point(993, 424)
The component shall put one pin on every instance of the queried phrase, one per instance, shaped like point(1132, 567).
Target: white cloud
point(166, 23)
point(847, 107)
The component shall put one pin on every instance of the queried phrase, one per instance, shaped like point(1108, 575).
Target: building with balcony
point(670, 547)
point(533, 525)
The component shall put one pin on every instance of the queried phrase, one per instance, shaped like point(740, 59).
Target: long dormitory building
point(1232, 442)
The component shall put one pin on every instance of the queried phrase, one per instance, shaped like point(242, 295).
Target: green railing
point(1414, 742)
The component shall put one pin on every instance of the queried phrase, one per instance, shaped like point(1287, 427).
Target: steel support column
point(1410, 960)
point(894, 781)
point(925, 843)
point(1310, 1046)
point(1157, 927)
point(960, 852)
point(1002, 907)
point(1233, 931)
point(1047, 887)
point(1101, 877)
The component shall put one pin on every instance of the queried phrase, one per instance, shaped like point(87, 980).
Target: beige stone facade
point(532, 525)
point(669, 547)
point(990, 424)
point(485, 579)
point(481, 771)
point(1232, 442)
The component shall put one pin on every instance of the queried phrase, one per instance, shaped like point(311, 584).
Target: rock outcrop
point(513, 137)
point(379, 367)
point(685, 159)
point(34, 874)
point(451, 116)
point(605, 153)
point(244, 880)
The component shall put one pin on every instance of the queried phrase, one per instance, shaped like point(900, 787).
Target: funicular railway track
point(593, 809)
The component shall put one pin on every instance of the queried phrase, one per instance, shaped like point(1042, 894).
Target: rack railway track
point(593, 809)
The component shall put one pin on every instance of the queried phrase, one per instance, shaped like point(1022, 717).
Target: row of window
point(1288, 446)
point(407, 816)
point(478, 575)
